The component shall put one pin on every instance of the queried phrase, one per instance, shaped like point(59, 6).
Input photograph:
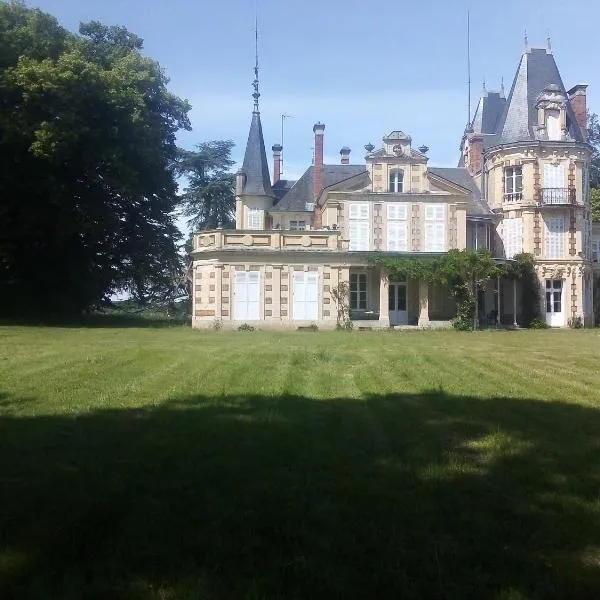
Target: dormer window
point(553, 124)
point(396, 182)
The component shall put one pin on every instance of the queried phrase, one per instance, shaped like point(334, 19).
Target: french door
point(306, 296)
point(555, 316)
point(397, 304)
point(246, 305)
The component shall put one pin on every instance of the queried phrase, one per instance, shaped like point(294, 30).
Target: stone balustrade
point(330, 241)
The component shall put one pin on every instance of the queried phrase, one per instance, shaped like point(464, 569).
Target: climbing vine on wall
point(465, 272)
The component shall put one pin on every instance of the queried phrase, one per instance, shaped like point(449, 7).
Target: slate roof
point(282, 187)
point(302, 191)
point(490, 108)
point(518, 122)
point(476, 206)
point(256, 167)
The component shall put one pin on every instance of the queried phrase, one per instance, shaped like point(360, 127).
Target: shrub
point(538, 323)
point(465, 315)
point(245, 327)
point(314, 327)
point(217, 324)
point(575, 322)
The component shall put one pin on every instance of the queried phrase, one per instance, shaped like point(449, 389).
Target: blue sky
point(363, 68)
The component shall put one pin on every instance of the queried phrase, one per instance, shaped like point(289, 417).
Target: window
point(555, 237)
point(306, 296)
point(554, 295)
point(359, 226)
point(247, 296)
point(397, 227)
point(585, 174)
point(513, 184)
point(553, 124)
point(255, 218)
point(396, 181)
point(435, 228)
point(358, 291)
point(554, 176)
point(595, 251)
point(513, 237)
point(297, 225)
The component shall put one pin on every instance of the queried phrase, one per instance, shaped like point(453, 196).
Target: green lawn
point(166, 463)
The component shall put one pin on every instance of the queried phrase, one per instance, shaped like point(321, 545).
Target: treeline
point(89, 167)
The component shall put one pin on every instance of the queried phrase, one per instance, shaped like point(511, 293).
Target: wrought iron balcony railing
point(513, 197)
point(558, 196)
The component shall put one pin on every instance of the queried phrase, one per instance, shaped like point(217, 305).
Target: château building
point(521, 185)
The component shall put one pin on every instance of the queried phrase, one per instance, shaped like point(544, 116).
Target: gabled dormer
point(397, 168)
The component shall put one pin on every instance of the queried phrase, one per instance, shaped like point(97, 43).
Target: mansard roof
point(302, 192)
point(476, 206)
point(537, 73)
point(256, 167)
point(490, 108)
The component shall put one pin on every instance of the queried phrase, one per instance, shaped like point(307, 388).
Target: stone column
point(423, 303)
point(384, 307)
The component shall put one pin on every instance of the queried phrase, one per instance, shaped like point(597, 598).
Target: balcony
point(328, 241)
point(558, 196)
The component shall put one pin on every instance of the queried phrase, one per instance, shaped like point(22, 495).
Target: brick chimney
point(345, 155)
point(277, 148)
point(318, 171)
point(474, 153)
point(578, 100)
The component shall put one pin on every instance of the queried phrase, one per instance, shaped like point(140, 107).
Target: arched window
point(396, 181)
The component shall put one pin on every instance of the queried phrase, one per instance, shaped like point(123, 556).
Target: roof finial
point(256, 93)
point(469, 68)
point(526, 42)
point(502, 86)
point(549, 41)
point(484, 88)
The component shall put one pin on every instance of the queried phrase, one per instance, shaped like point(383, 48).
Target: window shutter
point(306, 296)
point(247, 296)
point(555, 238)
point(554, 176)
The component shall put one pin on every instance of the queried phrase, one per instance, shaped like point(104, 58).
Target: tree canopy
point(88, 179)
point(209, 198)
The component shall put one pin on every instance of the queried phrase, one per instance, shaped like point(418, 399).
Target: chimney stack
point(318, 171)
point(578, 100)
point(474, 154)
point(345, 154)
point(277, 148)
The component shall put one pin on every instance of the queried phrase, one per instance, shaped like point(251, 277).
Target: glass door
point(554, 303)
point(397, 304)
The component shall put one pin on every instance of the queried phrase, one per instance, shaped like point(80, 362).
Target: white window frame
point(255, 218)
point(396, 181)
point(246, 308)
point(435, 228)
point(595, 251)
point(512, 230)
point(305, 304)
point(554, 236)
point(397, 227)
point(553, 124)
point(359, 289)
point(358, 227)
point(297, 225)
point(513, 183)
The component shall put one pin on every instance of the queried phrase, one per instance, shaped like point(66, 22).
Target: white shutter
point(358, 227)
point(306, 296)
point(396, 236)
point(396, 212)
point(554, 176)
point(255, 218)
point(247, 296)
point(513, 237)
point(555, 237)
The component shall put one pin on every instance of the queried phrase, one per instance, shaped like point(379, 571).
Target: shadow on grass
point(424, 496)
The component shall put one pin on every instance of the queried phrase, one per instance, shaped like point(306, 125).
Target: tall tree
point(594, 140)
point(209, 198)
point(87, 144)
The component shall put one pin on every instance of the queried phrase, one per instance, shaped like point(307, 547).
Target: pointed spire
point(502, 93)
point(549, 42)
point(526, 42)
point(256, 93)
point(484, 88)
